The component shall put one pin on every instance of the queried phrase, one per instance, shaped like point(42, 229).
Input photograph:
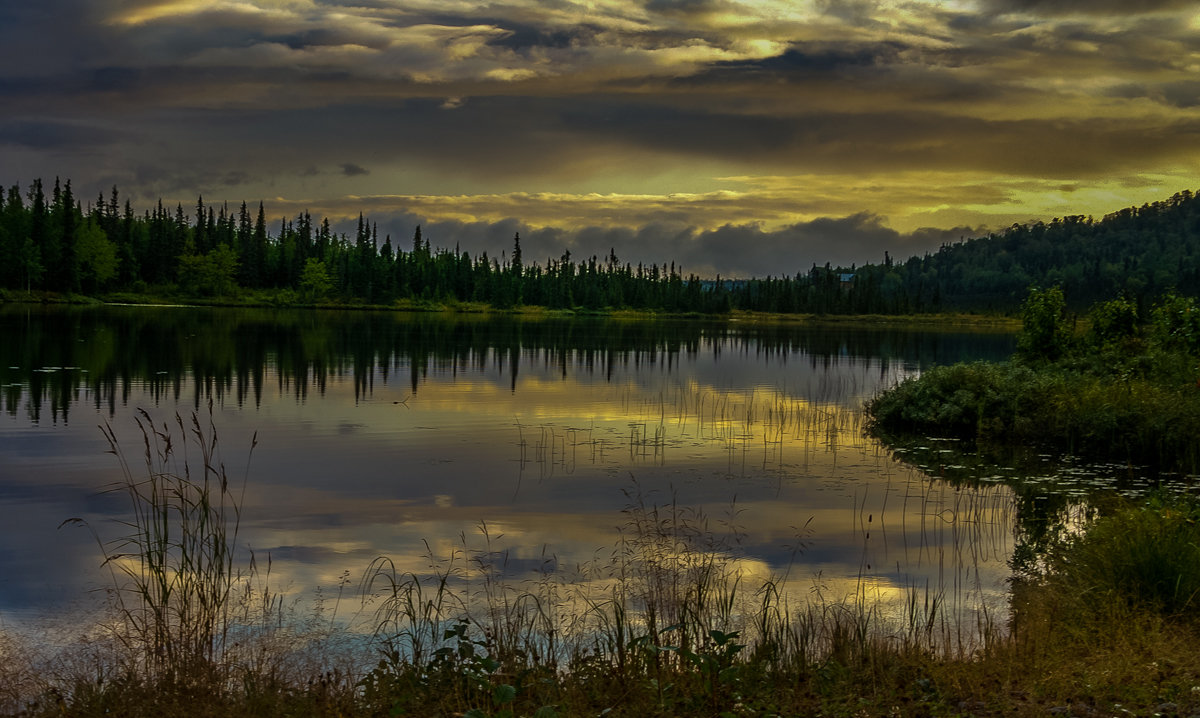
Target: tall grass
point(1137, 557)
point(174, 570)
point(193, 616)
point(670, 620)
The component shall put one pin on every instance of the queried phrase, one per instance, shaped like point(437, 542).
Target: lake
point(535, 446)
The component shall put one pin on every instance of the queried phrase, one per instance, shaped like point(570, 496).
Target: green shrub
point(959, 400)
point(1141, 557)
point(1046, 333)
point(1113, 321)
point(1175, 323)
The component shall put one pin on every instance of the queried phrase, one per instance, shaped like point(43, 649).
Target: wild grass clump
point(193, 626)
point(1141, 557)
point(672, 622)
point(174, 571)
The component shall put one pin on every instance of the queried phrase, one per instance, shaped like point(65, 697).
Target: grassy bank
point(1122, 389)
point(1105, 622)
point(291, 300)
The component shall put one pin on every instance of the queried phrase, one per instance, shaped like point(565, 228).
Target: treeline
point(1139, 252)
point(54, 243)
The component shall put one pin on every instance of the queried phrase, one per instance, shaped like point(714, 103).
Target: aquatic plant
point(670, 621)
point(174, 572)
point(1114, 397)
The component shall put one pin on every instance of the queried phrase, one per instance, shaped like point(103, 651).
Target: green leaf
point(504, 693)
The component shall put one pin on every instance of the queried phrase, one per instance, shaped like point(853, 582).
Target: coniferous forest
point(52, 241)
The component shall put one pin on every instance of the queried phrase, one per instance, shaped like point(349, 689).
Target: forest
point(55, 243)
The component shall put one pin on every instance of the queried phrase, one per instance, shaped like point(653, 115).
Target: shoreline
point(949, 320)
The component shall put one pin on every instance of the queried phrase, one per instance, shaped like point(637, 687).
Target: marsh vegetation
point(670, 622)
point(681, 546)
point(1125, 388)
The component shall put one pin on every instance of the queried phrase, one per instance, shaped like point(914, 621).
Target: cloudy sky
point(734, 136)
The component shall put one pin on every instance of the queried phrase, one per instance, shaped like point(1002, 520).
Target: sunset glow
point(666, 130)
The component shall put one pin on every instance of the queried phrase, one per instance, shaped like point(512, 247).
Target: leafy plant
point(1175, 323)
point(1113, 321)
point(1046, 333)
point(715, 661)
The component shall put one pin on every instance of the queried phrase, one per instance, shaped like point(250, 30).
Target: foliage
point(1127, 400)
point(314, 281)
point(1175, 323)
point(98, 258)
point(48, 244)
point(211, 274)
point(1113, 321)
point(1045, 333)
point(961, 400)
point(1146, 557)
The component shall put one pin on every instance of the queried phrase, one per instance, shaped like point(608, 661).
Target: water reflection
point(407, 435)
point(52, 354)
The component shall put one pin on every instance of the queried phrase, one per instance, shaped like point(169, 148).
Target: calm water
point(409, 436)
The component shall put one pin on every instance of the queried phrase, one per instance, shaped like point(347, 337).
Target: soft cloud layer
point(710, 132)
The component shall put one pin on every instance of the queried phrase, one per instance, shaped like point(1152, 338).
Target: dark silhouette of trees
point(55, 245)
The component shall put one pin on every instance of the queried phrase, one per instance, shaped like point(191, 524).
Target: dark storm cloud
point(853, 11)
point(1183, 95)
point(350, 169)
point(833, 141)
point(551, 140)
point(147, 182)
point(685, 7)
point(523, 37)
point(115, 79)
point(805, 60)
point(1089, 7)
point(732, 250)
point(47, 134)
point(861, 238)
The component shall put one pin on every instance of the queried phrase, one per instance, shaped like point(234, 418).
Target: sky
point(741, 137)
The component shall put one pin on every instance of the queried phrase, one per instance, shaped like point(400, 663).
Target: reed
point(174, 571)
point(669, 620)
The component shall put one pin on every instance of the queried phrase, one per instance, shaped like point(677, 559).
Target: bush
point(960, 400)
point(1141, 557)
point(1113, 321)
point(1175, 323)
point(1046, 334)
point(1131, 418)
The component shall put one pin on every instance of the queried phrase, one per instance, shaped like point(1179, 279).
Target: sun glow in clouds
point(583, 119)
